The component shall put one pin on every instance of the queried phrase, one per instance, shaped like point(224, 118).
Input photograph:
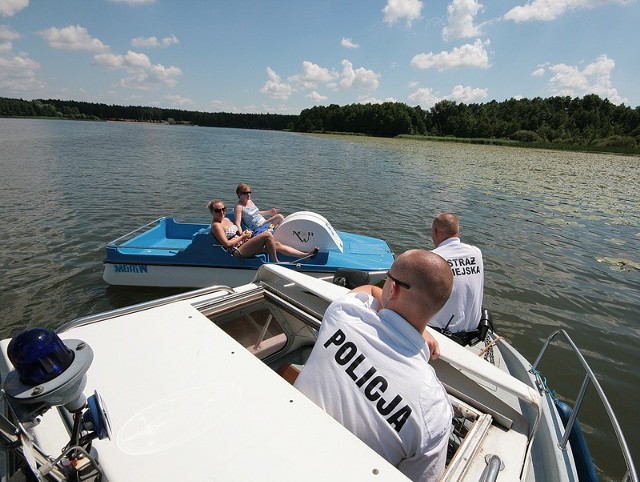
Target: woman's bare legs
point(290, 251)
point(263, 242)
point(276, 220)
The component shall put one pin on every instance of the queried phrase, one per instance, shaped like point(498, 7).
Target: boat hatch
point(280, 333)
point(258, 327)
point(470, 427)
point(268, 326)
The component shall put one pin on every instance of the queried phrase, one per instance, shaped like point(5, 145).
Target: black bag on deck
point(350, 278)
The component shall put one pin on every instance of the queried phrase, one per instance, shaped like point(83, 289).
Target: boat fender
point(350, 278)
point(486, 323)
point(581, 455)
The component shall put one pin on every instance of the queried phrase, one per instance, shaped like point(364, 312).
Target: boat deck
point(219, 392)
point(158, 247)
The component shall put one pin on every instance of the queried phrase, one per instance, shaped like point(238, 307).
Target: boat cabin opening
point(281, 332)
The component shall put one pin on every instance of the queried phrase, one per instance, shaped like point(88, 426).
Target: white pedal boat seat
point(305, 230)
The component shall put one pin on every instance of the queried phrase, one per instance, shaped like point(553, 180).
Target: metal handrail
point(113, 243)
point(86, 320)
point(492, 470)
point(14, 437)
point(590, 377)
point(146, 247)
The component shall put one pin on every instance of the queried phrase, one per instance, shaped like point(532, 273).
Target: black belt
point(463, 338)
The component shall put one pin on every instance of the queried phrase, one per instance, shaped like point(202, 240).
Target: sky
point(283, 56)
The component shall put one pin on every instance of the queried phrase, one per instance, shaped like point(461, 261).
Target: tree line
point(559, 121)
point(69, 109)
point(589, 122)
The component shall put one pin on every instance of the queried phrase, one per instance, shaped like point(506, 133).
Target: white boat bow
point(195, 387)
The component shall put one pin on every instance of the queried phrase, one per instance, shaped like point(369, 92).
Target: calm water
point(541, 218)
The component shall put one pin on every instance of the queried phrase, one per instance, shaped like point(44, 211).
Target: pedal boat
point(168, 253)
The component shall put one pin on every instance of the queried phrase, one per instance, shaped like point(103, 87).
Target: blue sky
point(282, 56)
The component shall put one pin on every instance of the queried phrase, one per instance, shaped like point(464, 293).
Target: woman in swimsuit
point(243, 245)
point(248, 213)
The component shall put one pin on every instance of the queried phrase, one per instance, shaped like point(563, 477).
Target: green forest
point(69, 109)
point(587, 123)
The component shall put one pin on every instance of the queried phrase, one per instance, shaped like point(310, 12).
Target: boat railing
point(86, 320)
point(589, 379)
point(118, 241)
point(493, 468)
point(15, 438)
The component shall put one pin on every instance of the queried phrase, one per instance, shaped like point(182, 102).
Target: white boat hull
point(195, 276)
point(194, 392)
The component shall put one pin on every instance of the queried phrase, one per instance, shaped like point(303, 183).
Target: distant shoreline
point(528, 145)
point(460, 140)
point(501, 143)
point(588, 124)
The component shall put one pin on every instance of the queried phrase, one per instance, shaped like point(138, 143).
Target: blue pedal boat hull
point(168, 253)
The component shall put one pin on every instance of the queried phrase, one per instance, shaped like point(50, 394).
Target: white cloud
point(6, 37)
point(469, 55)
point(172, 40)
point(594, 78)
point(468, 95)
point(316, 97)
point(73, 37)
point(109, 60)
point(312, 75)
point(223, 106)
point(461, 15)
point(145, 42)
point(136, 61)
point(427, 98)
point(164, 75)
point(7, 34)
point(349, 43)
point(8, 8)
point(359, 78)
point(178, 101)
point(18, 74)
point(539, 72)
point(132, 61)
point(396, 10)
point(153, 42)
point(143, 74)
point(274, 87)
point(546, 10)
point(375, 100)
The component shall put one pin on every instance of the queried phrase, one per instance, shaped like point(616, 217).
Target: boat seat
point(268, 346)
point(297, 357)
point(207, 230)
point(289, 372)
point(290, 365)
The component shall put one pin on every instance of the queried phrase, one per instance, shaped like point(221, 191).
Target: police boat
point(168, 253)
point(198, 386)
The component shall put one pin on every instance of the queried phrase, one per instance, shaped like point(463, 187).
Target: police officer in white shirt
point(461, 314)
point(369, 368)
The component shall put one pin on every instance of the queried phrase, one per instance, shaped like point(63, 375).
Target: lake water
point(542, 219)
